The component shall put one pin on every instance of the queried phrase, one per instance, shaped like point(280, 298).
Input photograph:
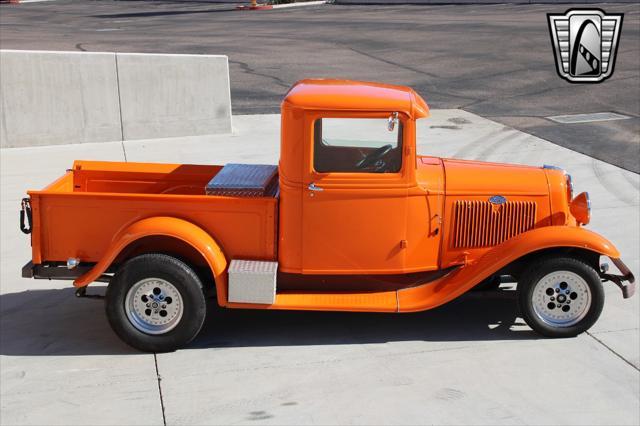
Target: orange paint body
point(467, 218)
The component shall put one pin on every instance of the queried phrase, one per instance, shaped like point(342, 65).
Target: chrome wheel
point(154, 306)
point(561, 298)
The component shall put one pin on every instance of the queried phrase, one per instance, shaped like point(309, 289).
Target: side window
point(357, 145)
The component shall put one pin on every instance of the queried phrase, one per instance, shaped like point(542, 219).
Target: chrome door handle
point(312, 187)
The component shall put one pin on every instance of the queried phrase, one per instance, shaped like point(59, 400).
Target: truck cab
point(349, 179)
point(351, 219)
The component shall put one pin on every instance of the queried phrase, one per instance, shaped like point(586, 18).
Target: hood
point(463, 177)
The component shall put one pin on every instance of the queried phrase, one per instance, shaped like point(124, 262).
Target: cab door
point(355, 197)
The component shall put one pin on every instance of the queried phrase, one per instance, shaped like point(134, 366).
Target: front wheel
point(155, 303)
point(560, 297)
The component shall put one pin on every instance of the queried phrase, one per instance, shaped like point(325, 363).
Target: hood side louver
point(482, 224)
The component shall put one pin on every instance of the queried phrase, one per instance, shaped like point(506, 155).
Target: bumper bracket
point(626, 281)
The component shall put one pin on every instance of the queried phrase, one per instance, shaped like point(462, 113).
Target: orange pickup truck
point(342, 223)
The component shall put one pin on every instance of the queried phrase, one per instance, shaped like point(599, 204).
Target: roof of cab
point(349, 95)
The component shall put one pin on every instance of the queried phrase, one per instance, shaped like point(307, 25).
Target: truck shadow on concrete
point(55, 322)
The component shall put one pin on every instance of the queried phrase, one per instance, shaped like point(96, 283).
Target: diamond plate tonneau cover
point(245, 180)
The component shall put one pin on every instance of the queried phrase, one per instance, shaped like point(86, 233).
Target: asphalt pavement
point(493, 60)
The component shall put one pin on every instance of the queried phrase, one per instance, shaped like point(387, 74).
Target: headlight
point(580, 208)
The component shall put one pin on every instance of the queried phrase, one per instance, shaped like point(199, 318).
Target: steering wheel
point(373, 157)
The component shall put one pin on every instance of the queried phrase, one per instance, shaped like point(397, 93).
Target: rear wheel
point(155, 303)
point(560, 297)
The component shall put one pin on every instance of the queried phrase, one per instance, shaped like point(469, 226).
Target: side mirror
point(393, 119)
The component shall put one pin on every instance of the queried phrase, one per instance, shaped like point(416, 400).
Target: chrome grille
point(482, 224)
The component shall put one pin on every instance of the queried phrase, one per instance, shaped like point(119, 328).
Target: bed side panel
point(83, 225)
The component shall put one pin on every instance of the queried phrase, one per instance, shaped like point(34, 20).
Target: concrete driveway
point(470, 362)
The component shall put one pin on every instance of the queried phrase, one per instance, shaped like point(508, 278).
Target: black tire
point(181, 277)
point(542, 269)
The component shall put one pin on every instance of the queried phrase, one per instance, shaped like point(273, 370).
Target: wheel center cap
point(562, 298)
point(155, 305)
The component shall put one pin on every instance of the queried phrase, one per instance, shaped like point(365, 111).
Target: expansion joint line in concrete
point(612, 351)
point(159, 378)
point(124, 151)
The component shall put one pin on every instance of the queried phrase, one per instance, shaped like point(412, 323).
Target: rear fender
point(461, 280)
point(172, 227)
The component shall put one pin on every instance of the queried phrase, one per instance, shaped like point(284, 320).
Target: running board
point(353, 302)
point(385, 301)
point(252, 285)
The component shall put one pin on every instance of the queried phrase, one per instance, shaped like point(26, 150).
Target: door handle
point(312, 187)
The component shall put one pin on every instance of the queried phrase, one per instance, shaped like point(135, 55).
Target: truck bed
point(78, 215)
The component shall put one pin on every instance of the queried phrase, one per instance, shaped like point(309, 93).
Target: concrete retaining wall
point(173, 95)
point(53, 98)
point(79, 97)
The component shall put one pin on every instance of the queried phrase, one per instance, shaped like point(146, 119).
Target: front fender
point(461, 280)
point(172, 227)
